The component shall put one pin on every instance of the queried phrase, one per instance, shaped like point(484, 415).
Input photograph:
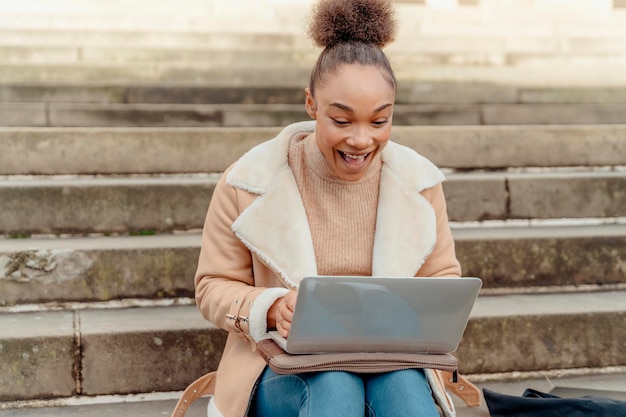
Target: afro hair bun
point(365, 21)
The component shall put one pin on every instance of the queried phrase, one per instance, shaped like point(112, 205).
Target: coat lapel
point(406, 230)
point(275, 228)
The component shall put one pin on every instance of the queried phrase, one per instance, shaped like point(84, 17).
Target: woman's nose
point(360, 139)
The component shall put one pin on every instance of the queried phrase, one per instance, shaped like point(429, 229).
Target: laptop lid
point(374, 314)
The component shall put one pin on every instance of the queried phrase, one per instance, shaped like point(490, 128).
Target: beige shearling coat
point(256, 245)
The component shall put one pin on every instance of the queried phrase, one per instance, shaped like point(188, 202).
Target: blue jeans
point(343, 394)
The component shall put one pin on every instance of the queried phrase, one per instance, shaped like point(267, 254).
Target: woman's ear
point(309, 104)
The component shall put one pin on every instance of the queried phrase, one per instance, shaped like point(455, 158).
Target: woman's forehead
point(354, 82)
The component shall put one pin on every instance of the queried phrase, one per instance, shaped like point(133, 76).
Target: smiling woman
point(332, 196)
point(354, 111)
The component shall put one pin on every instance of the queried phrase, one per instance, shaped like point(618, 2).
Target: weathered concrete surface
point(144, 408)
point(581, 194)
point(497, 147)
point(522, 114)
point(135, 115)
point(23, 114)
point(188, 93)
point(233, 115)
point(151, 73)
point(164, 348)
point(176, 93)
point(179, 150)
point(174, 115)
point(125, 151)
point(180, 202)
point(105, 205)
point(145, 38)
point(37, 353)
point(573, 95)
point(33, 54)
point(530, 76)
point(112, 351)
point(420, 50)
point(545, 331)
point(163, 266)
point(599, 380)
point(416, 92)
point(63, 92)
point(145, 350)
point(476, 197)
point(547, 256)
point(254, 115)
point(97, 269)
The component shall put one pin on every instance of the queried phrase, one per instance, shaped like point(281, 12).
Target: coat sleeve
point(442, 261)
point(225, 286)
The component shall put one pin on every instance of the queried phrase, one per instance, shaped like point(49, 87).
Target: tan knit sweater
point(341, 214)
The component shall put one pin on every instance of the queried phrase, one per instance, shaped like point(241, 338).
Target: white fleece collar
point(274, 227)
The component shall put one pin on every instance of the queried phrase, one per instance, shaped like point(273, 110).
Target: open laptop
point(375, 314)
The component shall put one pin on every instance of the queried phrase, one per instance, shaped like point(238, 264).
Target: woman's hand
point(280, 314)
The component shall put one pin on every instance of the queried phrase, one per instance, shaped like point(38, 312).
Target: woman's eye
point(340, 122)
point(380, 122)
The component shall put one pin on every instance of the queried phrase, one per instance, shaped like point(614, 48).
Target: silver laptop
point(374, 314)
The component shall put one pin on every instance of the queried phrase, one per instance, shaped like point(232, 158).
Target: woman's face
point(353, 110)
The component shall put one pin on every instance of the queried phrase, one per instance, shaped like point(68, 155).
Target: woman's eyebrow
point(343, 107)
point(351, 110)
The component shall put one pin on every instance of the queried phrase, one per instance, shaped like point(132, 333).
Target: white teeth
point(355, 157)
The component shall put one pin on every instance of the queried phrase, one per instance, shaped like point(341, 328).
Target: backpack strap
point(205, 385)
point(462, 388)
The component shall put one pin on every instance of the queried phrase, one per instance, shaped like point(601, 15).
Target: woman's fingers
point(290, 300)
point(286, 308)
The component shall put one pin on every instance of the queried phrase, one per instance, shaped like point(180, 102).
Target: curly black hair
point(351, 32)
point(365, 21)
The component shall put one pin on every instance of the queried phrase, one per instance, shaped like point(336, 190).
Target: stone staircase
point(116, 128)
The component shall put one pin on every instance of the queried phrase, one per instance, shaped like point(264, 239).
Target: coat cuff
point(259, 309)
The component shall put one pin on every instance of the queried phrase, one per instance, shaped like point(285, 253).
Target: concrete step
point(528, 258)
point(156, 204)
point(473, 17)
point(409, 39)
point(60, 151)
point(456, 51)
point(264, 115)
point(417, 92)
point(147, 405)
point(222, 56)
point(103, 352)
point(95, 352)
point(163, 39)
point(551, 75)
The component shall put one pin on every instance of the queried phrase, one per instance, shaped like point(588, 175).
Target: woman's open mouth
point(353, 159)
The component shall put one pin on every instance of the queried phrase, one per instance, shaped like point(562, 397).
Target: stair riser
point(156, 207)
point(113, 361)
point(105, 208)
point(506, 260)
point(103, 359)
point(418, 92)
point(130, 151)
point(69, 115)
point(144, 38)
point(535, 343)
point(284, 56)
point(97, 275)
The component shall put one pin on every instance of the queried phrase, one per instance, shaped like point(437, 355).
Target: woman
point(331, 196)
